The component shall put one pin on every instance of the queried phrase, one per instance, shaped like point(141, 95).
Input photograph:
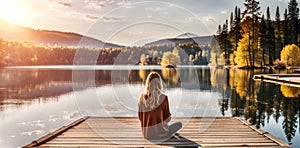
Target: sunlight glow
point(13, 11)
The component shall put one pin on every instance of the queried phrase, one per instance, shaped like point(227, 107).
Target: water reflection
point(257, 102)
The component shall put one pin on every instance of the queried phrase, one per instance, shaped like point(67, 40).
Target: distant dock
point(196, 132)
point(285, 79)
point(297, 70)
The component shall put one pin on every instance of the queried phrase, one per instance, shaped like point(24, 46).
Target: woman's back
point(154, 120)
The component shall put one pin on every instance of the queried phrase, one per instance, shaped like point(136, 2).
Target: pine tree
point(286, 30)
point(231, 21)
point(224, 43)
point(252, 9)
point(277, 33)
point(293, 14)
point(235, 32)
point(270, 38)
point(238, 27)
point(215, 52)
point(263, 39)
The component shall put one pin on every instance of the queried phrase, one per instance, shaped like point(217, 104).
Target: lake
point(37, 100)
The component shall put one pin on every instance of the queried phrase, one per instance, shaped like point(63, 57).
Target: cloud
point(208, 19)
point(91, 16)
point(126, 4)
point(96, 4)
point(64, 4)
point(191, 19)
point(94, 17)
point(224, 12)
point(100, 4)
point(59, 3)
point(171, 5)
point(111, 19)
point(156, 9)
point(83, 16)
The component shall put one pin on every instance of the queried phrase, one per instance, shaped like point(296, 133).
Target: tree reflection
point(257, 102)
point(171, 76)
point(289, 112)
point(290, 92)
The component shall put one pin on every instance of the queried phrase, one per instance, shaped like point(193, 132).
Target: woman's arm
point(139, 110)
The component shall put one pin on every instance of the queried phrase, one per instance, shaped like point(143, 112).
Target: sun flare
point(13, 11)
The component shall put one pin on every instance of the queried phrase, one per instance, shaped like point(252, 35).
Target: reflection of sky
point(274, 128)
point(19, 126)
point(121, 100)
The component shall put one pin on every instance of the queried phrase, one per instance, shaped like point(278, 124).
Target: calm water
point(37, 100)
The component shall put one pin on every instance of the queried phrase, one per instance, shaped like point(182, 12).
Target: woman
point(154, 112)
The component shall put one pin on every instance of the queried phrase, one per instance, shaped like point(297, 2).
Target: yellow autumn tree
point(290, 54)
point(242, 56)
point(248, 52)
point(171, 58)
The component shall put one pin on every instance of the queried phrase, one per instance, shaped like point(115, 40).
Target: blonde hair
point(153, 90)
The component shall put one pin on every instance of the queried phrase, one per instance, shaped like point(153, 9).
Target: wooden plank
point(155, 145)
point(134, 141)
point(124, 131)
point(55, 133)
point(271, 137)
point(139, 136)
point(139, 130)
point(285, 79)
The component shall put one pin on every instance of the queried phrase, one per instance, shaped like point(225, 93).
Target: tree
point(143, 59)
point(235, 32)
point(277, 34)
point(251, 16)
point(291, 55)
point(286, 30)
point(223, 40)
point(248, 53)
point(215, 51)
point(263, 38)
point(252, 9)
point(270, 38)
point(293, 14)
point(170, 58)
point(231, 21)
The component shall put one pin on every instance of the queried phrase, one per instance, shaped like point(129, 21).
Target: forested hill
point(204, 40)
point(10, 31)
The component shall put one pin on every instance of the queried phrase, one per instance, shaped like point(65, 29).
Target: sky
point(126, 22)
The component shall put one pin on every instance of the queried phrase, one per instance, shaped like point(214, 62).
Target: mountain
point(181, 39)
point(186, 35)
point(10, 31)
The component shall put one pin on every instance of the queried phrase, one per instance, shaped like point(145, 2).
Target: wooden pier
point(297, 70)
point(126, 132)
point(285, 79)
